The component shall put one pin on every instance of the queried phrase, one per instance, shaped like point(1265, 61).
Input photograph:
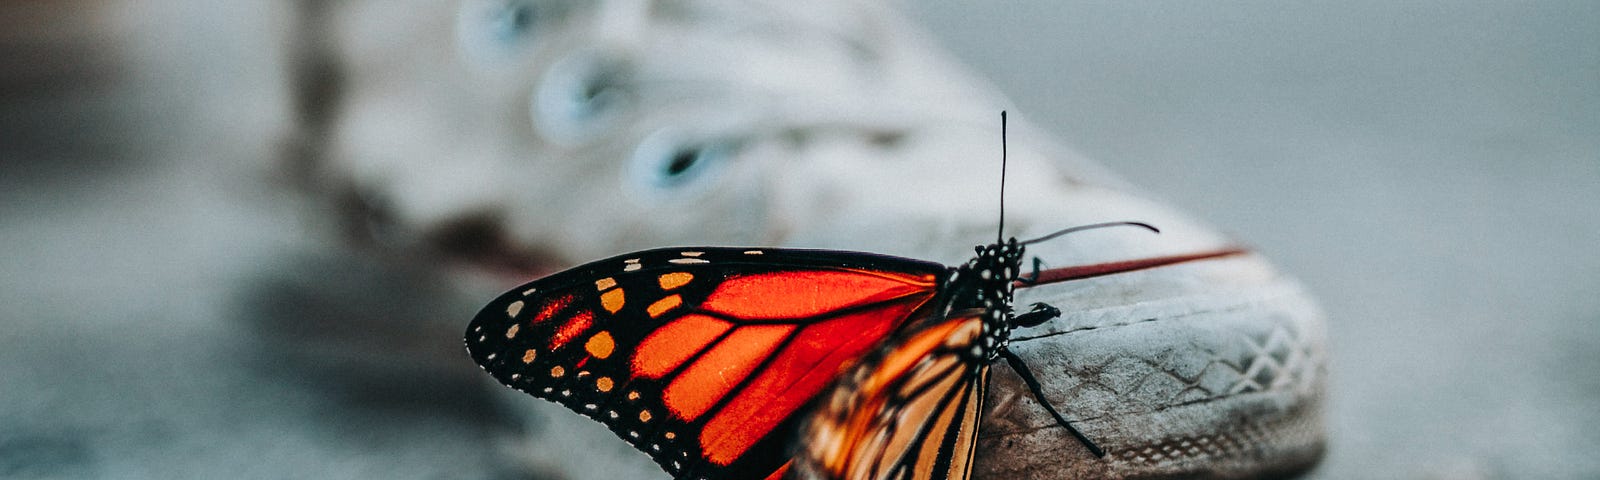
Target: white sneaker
point(543, 136)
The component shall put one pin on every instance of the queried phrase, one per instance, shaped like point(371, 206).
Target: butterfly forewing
point(910, 411)
point(700, 357)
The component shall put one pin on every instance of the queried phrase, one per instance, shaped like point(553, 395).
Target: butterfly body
point(985, 284)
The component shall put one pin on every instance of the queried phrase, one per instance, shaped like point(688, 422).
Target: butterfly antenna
point(1093, 226)
point(1000, 234)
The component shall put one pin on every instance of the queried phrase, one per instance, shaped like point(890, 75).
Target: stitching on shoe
point(1242, 304)
point(1106, 327)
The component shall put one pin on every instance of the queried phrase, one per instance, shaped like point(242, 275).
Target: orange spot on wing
point(673, 343)
point(528, 356)
point(799, 372)
point(798, 294)
point(603, 384)
point(673, 280)
point(612, 300)
point(605, 283)
point(574, 327)
point(661, 306)
point(711, 376)
point(600, 345)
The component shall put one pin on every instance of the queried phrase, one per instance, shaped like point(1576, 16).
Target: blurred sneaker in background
point(491, 144)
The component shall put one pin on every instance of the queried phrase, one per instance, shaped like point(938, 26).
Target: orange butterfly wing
point(700, 357)
point(910, 411)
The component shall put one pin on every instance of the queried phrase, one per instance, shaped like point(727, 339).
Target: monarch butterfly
point(711, 359)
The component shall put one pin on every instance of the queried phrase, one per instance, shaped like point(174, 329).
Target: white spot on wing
point(631, 267)
point(753, 252)
point(693, 254)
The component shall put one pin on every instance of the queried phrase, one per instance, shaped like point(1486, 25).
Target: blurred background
point(1430, 169)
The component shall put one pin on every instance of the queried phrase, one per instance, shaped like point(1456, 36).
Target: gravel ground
point(1431, 169)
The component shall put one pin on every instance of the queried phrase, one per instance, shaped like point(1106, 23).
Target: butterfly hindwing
point(700, 357)
point(909, 411)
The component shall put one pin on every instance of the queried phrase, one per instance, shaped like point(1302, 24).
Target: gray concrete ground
point(1431, 169)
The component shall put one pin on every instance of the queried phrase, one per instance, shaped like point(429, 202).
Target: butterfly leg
point(1040, 314)
point(1033, 386)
